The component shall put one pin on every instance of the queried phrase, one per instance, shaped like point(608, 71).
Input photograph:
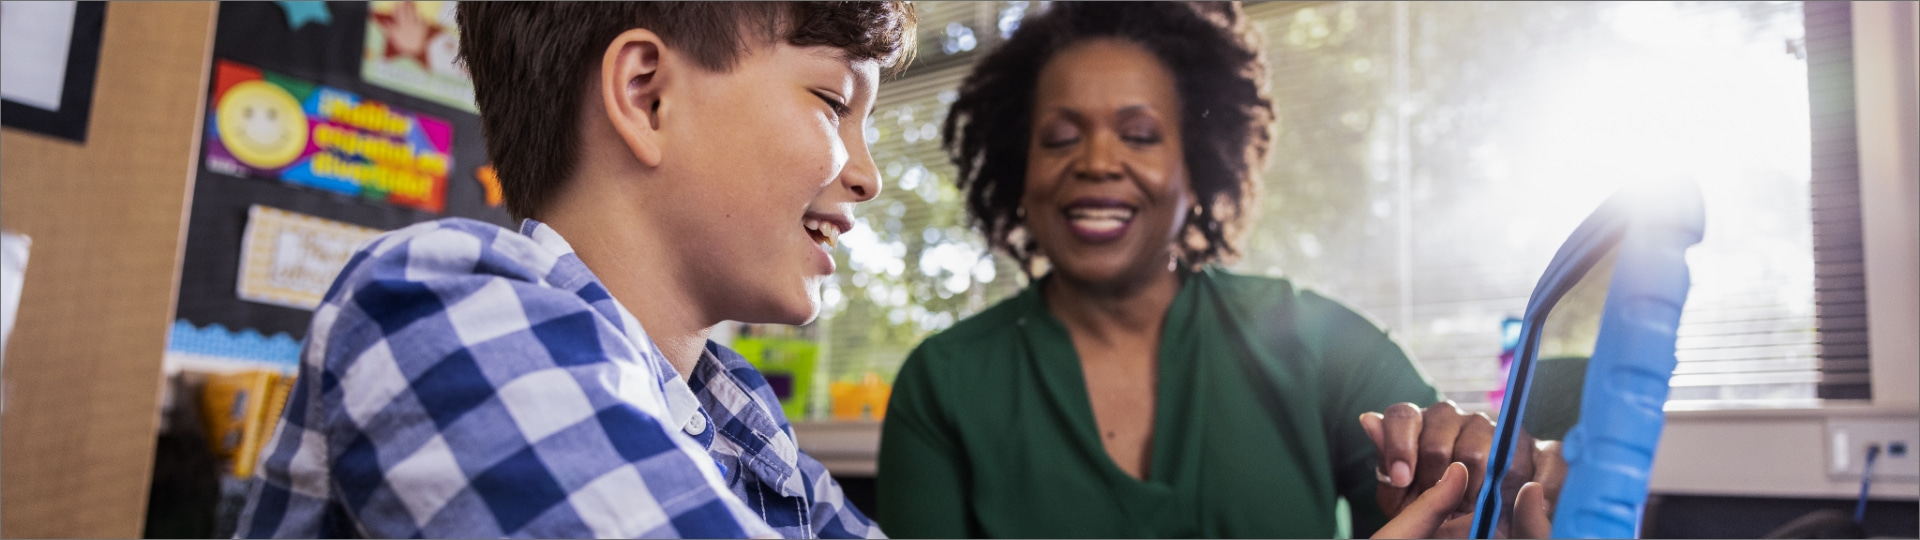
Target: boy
point(675, 165)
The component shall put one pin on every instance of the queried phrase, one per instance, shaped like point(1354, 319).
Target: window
point(1429, 159)
point(1432, 156)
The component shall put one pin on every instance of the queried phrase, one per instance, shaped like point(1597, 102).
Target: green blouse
point(1256, 431)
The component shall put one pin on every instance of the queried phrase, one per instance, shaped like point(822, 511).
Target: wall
point(1783, 453)
point(1885, 91)
point(1761, 453)
point(83, 367)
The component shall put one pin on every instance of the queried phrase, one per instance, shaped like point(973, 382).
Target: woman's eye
point(1059, 136)
point(1140, 132)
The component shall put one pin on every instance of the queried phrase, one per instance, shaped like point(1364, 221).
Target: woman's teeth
point(822, 232)
point(1099, 219)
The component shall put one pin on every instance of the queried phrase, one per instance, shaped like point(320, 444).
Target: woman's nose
point(1097, 159)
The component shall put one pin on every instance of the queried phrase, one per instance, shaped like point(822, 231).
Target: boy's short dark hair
point(530, 61)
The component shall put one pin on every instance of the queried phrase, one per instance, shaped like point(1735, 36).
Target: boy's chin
point(793, 312)
point(812, 310)
point(784, 304)
point(803, 316)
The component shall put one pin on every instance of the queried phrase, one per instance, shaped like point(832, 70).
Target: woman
point(1135, 389)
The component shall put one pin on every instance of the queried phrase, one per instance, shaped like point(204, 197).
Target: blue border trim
point(247, 344)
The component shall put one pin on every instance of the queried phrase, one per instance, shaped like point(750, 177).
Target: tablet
point(1594, 357)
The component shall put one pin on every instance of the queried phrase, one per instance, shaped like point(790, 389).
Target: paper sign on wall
point(33, 60)
point(411, 47)
point(267, 125)
point(291, 259)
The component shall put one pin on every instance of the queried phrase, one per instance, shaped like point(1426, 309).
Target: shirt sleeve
point(461, 395)
point(289, 497)
point(1364, 370)
point(922, 479)
point(832, 516)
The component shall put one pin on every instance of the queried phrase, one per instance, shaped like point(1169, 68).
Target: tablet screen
point(1552, 366)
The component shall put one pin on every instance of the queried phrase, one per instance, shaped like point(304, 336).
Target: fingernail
point(1401, 473)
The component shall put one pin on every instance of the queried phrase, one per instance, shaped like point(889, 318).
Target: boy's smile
point(776, 146)
point(825, 230)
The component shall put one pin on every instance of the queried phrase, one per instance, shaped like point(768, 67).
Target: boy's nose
point(862, 176)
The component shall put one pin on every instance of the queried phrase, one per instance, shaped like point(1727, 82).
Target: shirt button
point(698, 425)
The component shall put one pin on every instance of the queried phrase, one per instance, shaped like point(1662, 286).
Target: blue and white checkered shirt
point(461, 380)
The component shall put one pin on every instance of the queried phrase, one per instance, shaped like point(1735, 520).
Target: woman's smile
point(1098, 220)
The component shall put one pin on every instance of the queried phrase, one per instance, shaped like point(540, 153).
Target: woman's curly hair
point(1226, 120)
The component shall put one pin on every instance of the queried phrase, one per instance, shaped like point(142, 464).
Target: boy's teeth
point(822, 231)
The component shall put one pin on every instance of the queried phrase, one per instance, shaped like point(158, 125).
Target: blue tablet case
point(1610, 451)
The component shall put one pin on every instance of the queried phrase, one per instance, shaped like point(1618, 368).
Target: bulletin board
point(318, 130)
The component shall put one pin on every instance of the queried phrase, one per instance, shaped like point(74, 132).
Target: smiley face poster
point(267, 125)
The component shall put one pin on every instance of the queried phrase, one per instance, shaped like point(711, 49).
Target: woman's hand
point(1418, 449)
point(1433, 514)
point(1416, 445)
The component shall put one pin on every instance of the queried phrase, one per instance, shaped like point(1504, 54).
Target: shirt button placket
point(697, 425)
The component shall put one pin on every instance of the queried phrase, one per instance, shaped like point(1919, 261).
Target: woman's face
point(1107, 188)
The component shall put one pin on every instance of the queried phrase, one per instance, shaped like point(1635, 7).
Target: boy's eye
point(840, 110)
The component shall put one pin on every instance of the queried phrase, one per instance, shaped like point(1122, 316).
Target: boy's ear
point(631, 84)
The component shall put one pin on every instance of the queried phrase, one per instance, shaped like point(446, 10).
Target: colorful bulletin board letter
point(268, 125)
point(490, 182)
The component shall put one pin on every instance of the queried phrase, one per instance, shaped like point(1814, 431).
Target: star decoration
point(301, 13)
point(407, 33)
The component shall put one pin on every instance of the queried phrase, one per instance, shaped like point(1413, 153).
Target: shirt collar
point(740, 408)
point(545, 236)
point(745, 411)
point(683, 407)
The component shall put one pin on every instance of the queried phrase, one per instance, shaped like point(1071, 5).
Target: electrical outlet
point(1849, 438)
